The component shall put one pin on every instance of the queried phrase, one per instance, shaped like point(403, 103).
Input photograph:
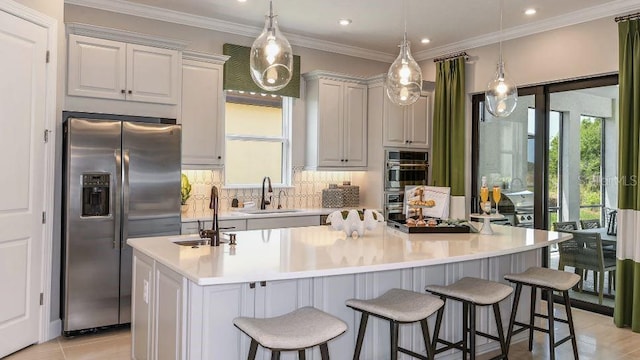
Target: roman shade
point(237, 75)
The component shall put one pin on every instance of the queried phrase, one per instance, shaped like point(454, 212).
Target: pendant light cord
point(404, 16)
point(271, 15)
point(501, 5)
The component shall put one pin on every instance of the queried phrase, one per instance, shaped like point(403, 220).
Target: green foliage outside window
point(590, 180)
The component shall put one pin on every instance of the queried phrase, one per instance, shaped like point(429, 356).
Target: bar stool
point(548, 280)
point(398, 307)
point(471, 292)
point(296, 331)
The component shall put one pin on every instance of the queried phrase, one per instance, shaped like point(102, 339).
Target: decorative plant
point(185, 189)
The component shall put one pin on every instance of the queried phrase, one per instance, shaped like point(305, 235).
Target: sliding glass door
point(555, 158)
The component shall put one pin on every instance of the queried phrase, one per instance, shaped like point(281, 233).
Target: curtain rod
point(627, 17)
point(452, 56)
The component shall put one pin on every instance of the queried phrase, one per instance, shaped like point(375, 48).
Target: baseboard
point(55, 329)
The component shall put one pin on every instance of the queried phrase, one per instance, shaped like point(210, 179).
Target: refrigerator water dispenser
point(95, 194)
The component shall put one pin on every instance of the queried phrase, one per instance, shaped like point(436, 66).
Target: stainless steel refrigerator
point(121, 180)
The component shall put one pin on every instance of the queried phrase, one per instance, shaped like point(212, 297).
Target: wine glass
point(484, 198)
point(496, 196)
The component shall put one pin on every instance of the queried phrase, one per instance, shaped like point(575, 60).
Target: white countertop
point(321, 251)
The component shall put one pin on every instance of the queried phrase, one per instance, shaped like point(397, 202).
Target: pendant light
point(271, 59)
point(404, 78)
point(501, 96)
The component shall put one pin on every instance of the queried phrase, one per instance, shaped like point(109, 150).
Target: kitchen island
point(184, 298)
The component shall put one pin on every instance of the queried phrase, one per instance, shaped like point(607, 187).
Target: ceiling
point(377, 25)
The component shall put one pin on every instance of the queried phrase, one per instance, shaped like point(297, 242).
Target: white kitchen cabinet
point(107, 69)
point(336, 108)
point(159, 296)
point(215, 307)
point(406, 126)
point(202, 110)
point(170, 298)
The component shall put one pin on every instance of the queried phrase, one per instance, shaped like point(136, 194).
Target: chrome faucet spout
point(263, 200)
point(214, 233)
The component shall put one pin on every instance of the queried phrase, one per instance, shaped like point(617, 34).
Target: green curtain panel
point(627, 307)
point(238, 77)
point(449, 127)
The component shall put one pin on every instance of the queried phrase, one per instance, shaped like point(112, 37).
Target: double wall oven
point(402, 168)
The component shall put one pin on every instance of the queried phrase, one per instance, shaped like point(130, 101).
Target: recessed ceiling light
point(530, 11)
point(344, 22)
point(425, 40)
point(242, 0)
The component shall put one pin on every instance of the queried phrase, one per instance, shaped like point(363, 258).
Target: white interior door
point(22, 159)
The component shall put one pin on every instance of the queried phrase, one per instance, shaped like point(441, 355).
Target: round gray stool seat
point(545, 278)
point(399, 305)
point(303, 328)
point(473, 290)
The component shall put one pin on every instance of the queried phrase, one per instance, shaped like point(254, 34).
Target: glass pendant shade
point(501, 96)
point(271, 61)
point(404, 79)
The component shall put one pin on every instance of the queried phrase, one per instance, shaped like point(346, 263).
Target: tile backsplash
point(306, 191)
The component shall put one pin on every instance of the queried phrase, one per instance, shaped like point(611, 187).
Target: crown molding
point(328, 75)
point(125, 36)
point(176, 17)
point(577, 17)
point(204, 57)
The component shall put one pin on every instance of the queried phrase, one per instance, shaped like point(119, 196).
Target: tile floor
point(598, 338)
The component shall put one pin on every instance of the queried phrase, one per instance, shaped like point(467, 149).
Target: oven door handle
point(405, 165)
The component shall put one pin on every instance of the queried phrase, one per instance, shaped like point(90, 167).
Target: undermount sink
point(268, 211)
point(192, 243)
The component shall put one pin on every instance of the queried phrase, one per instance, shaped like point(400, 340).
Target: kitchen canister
point(333, 197)
point(351, 194)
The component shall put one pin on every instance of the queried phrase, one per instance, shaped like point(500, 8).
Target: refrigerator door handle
point(116, 195)
point(125, 199)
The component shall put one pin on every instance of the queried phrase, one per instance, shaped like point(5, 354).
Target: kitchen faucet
point(280, 193)
point(214, 233)
point(263, 201)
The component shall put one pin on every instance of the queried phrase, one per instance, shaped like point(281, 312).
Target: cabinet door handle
point(346, 160)
point(122, 91)
point(252, 285)
point(263, 283)
point(219, 157)
point(130, 92)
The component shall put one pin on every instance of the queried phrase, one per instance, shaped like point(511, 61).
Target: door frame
point(48, 329)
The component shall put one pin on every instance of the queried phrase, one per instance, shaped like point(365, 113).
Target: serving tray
point(412, 229)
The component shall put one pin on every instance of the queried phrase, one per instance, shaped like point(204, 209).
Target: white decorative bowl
point(352, 224)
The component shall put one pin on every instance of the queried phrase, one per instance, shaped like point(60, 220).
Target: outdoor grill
point(517, 207)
